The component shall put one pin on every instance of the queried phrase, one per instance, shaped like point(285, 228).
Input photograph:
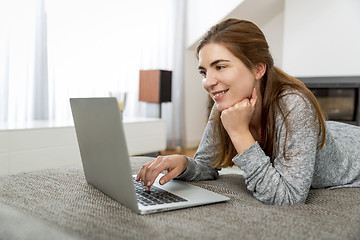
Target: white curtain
point(53, 50)
point(17, 60)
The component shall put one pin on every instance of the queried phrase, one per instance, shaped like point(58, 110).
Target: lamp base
point(153, 110)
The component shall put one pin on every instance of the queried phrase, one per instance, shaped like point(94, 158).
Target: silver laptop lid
point(103, 148)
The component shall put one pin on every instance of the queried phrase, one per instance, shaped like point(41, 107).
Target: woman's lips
point(219, 94)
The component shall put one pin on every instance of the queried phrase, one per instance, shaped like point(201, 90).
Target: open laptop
point(106, 163)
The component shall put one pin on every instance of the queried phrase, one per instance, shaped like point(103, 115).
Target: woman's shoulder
point(294, 99)
point(296, 108)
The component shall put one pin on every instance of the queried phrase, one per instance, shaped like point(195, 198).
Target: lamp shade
point(155, 86)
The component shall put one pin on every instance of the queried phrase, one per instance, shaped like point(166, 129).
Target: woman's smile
point(217, 95)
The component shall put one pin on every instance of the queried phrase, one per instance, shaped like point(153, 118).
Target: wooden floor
point(186, 152)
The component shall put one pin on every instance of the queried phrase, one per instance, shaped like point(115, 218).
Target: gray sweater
point(286, 182)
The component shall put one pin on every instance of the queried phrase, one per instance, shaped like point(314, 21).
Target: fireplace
point(338, 97)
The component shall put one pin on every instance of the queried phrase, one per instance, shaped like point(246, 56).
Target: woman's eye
point(203, 73)
point(219, 67)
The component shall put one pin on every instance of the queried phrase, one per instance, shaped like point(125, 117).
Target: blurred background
point(51, 50)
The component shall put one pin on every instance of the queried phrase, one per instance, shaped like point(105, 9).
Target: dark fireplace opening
point(339, 104)
point(337, 96)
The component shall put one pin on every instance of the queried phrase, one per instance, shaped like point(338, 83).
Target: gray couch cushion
point(14, 224)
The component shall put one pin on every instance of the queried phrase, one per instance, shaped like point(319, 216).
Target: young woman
point(264, 121)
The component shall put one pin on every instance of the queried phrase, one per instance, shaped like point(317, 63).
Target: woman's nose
point(209, 82)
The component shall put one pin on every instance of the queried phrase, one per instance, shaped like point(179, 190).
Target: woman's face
point(226, 77)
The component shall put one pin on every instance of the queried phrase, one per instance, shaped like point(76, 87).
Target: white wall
point(195, 100)
point(274, 33)
point(202, 14)
point(322, 37)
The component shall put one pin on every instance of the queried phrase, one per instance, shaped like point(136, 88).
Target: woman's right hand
point(174, 164)
point(236, 119)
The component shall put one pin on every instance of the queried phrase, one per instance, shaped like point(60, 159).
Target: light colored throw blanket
point(59, 204)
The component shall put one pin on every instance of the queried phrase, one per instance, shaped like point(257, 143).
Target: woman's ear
point(260, 70)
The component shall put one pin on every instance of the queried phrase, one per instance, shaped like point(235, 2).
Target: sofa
point(59, 204)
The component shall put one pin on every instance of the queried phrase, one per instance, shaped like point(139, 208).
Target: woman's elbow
point(284, 200)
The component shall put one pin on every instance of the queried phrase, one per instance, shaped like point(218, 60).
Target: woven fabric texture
point(67, 207)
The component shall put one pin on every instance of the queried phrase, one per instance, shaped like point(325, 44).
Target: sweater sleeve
point(199, 167)
point(287, 181)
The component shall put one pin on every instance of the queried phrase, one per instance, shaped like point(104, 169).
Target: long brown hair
point(247, 42)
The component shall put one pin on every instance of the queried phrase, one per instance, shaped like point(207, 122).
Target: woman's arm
point(199, 167)
point(182, 167)
point(288, 181)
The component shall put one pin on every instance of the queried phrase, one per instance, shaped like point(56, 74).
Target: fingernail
point(142, 182)
point(162, 182)
point(149, 184)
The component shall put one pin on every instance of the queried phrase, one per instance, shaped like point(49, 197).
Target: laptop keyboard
point(155, 196)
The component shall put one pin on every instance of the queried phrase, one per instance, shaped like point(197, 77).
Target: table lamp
point(155, 87)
